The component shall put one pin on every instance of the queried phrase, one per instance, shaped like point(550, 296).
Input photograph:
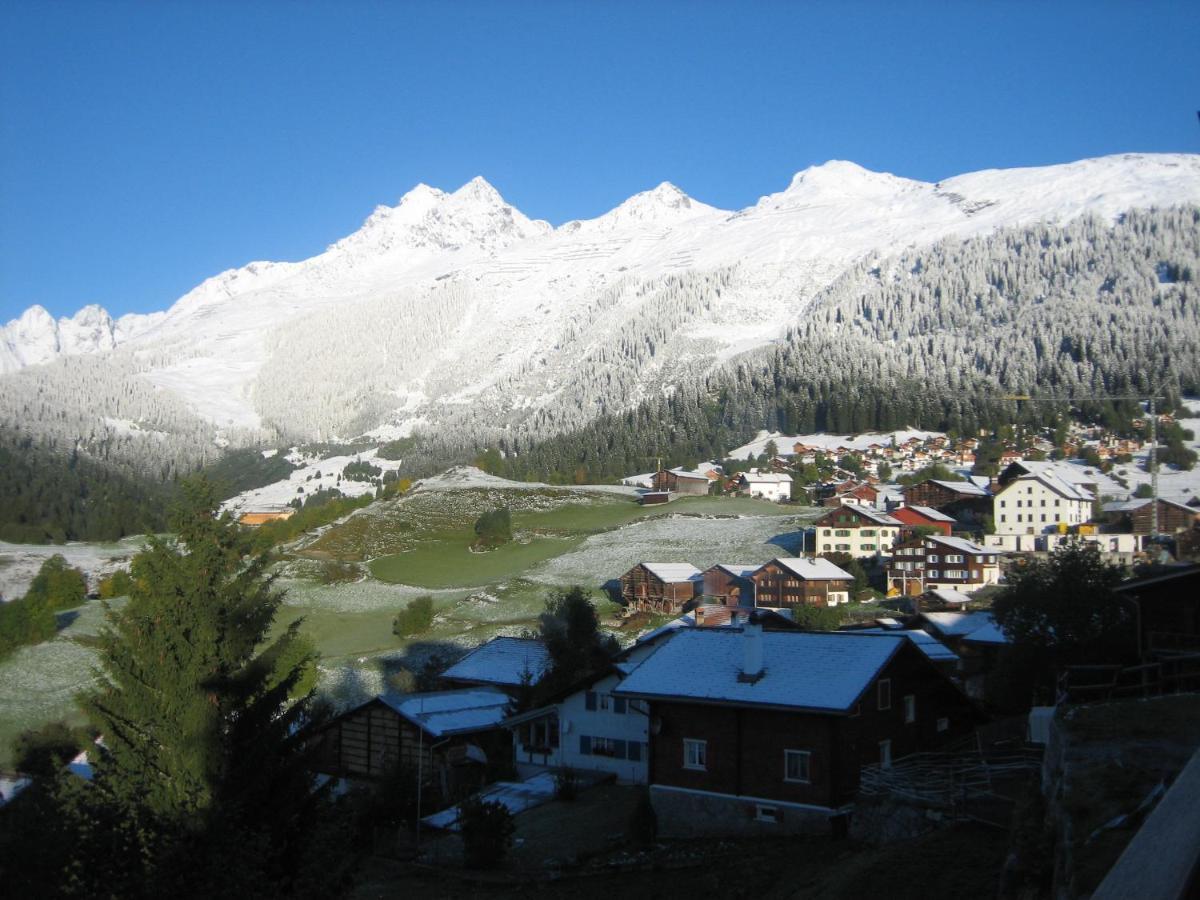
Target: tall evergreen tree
point(201, 766)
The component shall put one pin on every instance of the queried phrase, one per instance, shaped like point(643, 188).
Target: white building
point(1040, 504)
point(774, 486)
point(589, 729)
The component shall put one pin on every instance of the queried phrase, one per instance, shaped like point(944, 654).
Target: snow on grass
point(701, 541)
point(19, 563)
point(314, 474)
point(470, 477)
point(784, 443)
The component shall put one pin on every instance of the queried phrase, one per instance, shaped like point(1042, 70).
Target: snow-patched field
point(19, 563)
point(785, 442)
point(313, 474)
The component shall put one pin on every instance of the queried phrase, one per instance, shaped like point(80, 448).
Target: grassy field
point(419, 545)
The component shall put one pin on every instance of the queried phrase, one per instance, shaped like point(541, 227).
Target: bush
point(643, 821)
point(566, 784)
point(493, 528)
point(57, 585)
point(414, 618)
point(487, 832)
point(336, 571)
point(118, 584)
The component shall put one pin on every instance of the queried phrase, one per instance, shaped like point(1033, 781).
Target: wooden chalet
point(955, 498)
point(857, 530)
point(730, 584)
point(682, 481)
point(794, 582)
point(454, 739)
point(756, 730)
point(1136, 516)
point(936, 561)
point(660, 587)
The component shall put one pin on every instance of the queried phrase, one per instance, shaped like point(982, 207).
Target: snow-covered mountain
point(453, 307)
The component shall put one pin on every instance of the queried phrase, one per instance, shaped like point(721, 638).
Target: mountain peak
point(478, 188)
point(660, 206)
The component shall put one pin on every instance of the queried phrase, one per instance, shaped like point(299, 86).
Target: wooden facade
point(643, 590)
point(1172, 517)
point(731, 586)
point(777, 585)
point(682, 483)
point(745, 747)
point(374, 742)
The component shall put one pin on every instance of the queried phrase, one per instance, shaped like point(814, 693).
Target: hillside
point(456, 316)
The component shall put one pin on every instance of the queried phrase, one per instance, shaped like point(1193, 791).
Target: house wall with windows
point(848, 529)
point(1031, 505)
point(590, 730)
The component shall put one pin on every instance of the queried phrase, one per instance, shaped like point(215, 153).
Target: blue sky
point(145, 147)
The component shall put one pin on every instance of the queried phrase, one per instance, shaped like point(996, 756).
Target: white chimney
point(752, 652)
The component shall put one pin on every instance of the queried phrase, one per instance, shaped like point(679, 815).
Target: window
point(606, 702)
point(1002, 518)
point(1002, 504)
point(765, 813)
point(934, 573)
point(932, 557)
point(796, 766)
point(910, 709)
point(943, 724)
point(885, 754)
point(826, 547)
point(954, 558)
point(695, 754)
point(843, 548)
point(842, 532)
point(954, 573)
point(868, 532)
point(883, 693)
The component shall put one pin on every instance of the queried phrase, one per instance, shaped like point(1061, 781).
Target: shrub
point(118, 584)
point(487, 832)
point(57, 585)
point(643, 822)
point(414, 618)
point(336, 571)
point(39, 751)
point(566, 784)
point(493, 528)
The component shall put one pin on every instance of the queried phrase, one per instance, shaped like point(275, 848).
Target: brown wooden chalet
point(454, 739)
point(754, 730)
point(794, 581)
point(730, 584)
point(682, 481)
point(936, 561)
point(1136, 516)
point(660, 587)
point(955, 498)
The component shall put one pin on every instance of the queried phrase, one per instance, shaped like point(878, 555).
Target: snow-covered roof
point(979, 627)
point(739, 570)
point(962, 487)
point(1052, 482)
point(930, 513)
point(958, 543)
point(766, 478)
point(443, 713)
point(926, 642)
point(802, 670)
point(1131, 505)
point(879, 518)
point(688, 473)
point(949, 595)
point(502, 660)
point(814, 569)
point(673, 572)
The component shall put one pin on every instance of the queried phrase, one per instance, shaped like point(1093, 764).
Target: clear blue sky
point(147, 146)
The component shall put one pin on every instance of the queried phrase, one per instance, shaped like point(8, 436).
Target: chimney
point(752, 653)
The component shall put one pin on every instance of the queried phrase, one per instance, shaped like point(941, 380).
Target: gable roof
point(687, 474)
point(803, 670)
point(502, 661)
point(929, 512)
point(949, 595)
point(444, 713)
point(672, 572)
point(925, 642)
point(967, 488)
point(1130, 505)
point(737, 570)
point(979, 627)
point(873, 515)
point(958, 543)
point(813, 569)
point(766, 477)
point(1052, 482)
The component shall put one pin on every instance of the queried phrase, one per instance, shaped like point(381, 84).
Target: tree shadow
point(64, 620)
point(794, 542)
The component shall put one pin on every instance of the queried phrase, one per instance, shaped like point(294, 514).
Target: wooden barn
point(730, 584)
point(1136, 516)
point(453, 738)
point(660, 587)
point(682, 481)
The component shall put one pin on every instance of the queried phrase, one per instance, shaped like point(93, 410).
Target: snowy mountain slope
point(451, 307)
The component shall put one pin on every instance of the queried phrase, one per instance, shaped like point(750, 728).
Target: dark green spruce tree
point(201, 786)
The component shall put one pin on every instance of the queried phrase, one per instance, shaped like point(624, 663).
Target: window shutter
point(619, 749)
point(589, 700)
point(618, 704)
point(585, 745)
